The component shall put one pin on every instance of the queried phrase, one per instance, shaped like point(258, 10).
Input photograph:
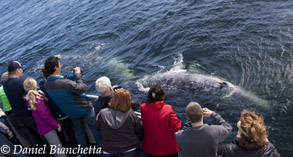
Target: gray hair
point(103, 84)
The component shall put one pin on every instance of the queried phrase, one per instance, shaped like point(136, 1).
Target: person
point(67, 95)
point(5, 141)
point(106, 90)
point(199, 139)
point(252, 139)
point(119, 126)
point(15, 92)
point(46, 124)
point(8, 111)
point(60, 116)
point(3, 98)
point(160, 124)
point(3, 119)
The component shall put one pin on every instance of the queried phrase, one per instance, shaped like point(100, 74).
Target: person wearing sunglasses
point(15, 93)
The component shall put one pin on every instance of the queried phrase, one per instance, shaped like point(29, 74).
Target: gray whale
point(201, 88)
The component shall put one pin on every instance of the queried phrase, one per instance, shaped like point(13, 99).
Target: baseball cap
point(13, 66)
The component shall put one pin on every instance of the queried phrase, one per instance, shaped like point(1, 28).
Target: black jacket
point(103, 102)
point(118, 130)
point(235, 150)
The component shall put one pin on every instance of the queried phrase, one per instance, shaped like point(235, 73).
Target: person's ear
point(18, 70)
point(111, 89)
point(56, 67)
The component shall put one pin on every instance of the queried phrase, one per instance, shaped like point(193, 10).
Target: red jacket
point(160, 125)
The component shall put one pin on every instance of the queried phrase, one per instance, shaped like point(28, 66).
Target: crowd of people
point(59, 113)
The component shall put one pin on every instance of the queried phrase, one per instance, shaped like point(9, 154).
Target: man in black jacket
point(106, 90)
point(15, 92)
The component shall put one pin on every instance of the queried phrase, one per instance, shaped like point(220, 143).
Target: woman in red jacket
point(160, 124)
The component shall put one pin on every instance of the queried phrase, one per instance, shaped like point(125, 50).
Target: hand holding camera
point(77, 70)
point(115, 88)
point(206, 112)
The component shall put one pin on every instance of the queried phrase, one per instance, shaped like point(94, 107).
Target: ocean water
point(187, 46)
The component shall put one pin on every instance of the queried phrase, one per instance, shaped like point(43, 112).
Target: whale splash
point(202, 88)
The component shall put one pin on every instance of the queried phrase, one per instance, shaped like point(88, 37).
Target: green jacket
point(4, 101)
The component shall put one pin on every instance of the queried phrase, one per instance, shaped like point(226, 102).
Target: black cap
point(13, 66)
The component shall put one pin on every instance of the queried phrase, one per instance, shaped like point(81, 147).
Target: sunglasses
point(19, 65)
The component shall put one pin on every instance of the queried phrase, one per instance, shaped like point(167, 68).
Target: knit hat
point(13, 66)
point(4, 76)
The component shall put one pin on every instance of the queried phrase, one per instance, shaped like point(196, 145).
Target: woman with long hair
point(252, 139)
point(160, 124)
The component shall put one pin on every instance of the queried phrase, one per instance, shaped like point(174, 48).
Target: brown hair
point(194, 112)
point(156, 93)
point(44, 72)
point(121, 100)
point(253, 134)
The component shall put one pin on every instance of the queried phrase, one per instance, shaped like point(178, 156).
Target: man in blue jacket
point(67, 94)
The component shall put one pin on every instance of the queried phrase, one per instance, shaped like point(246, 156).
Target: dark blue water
point(247, 43)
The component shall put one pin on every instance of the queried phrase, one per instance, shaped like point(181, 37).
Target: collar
point(55, 77)
point(158, 104)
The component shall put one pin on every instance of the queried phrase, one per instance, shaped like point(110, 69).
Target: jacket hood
point(157, 105)
point(114, 118)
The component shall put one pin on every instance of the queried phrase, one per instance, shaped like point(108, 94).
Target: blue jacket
point(56, 112)
point(68, 96)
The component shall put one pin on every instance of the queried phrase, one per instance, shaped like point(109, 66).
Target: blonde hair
point(121, 100)
point(30, 86)
point(253, 134)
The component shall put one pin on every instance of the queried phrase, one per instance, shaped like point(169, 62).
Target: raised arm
point(224, 129)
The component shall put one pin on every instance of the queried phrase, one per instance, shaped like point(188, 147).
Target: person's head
point(4, 77)
point(30, 84)
point(44, 72)
point(53, 65)
point(121, 100)
point(103, 85)
point(15, 68)
point(252, 130)
point(194, 112)
point(156, 93)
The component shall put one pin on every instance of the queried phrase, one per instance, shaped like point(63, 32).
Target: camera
point(81, 70)
point(116, 88)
